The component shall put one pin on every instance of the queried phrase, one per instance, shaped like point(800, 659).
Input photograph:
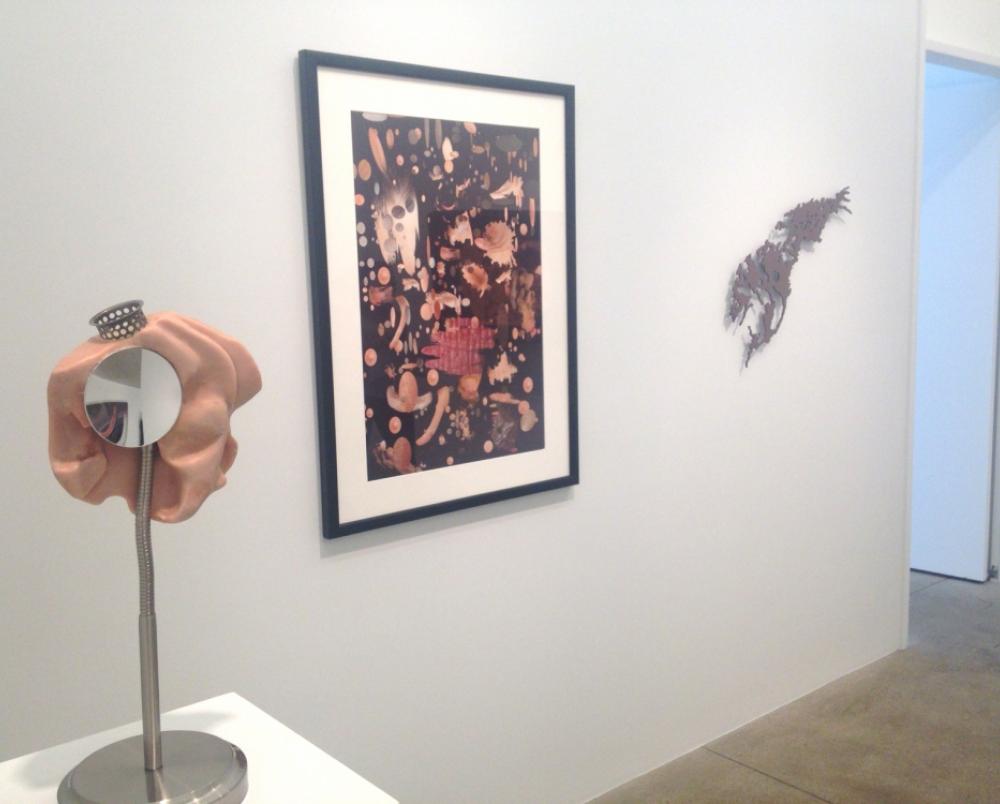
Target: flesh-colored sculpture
point(217, 375)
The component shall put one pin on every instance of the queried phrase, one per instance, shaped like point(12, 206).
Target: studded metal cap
point(120, 321)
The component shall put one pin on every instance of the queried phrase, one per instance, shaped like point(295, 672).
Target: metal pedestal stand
point(175, 767)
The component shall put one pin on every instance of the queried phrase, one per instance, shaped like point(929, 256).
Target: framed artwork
point(441, 240)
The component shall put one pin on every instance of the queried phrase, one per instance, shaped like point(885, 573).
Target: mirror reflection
point(132, 397)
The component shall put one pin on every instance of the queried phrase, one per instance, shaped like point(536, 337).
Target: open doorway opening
point(955, 497)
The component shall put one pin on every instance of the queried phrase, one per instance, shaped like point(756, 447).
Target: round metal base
point(197, 768)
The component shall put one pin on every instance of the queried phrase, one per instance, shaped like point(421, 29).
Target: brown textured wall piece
point(759, 290)
point(217, 375)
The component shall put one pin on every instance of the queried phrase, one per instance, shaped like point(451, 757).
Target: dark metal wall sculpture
point(759, 290)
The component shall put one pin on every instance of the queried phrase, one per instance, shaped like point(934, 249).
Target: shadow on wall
point(382, 537)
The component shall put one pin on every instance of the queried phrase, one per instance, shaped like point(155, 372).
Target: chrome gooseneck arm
point(116, 323)
point(148, 664)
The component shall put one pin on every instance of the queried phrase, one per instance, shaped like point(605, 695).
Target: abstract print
point(450, 281)
point(759, 290)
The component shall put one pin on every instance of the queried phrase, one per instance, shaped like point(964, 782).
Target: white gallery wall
point(738, 538)
point(970, 25)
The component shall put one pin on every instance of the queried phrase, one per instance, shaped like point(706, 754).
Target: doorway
point(955, 502)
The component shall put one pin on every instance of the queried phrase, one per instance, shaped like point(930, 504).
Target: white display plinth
point(281, 765)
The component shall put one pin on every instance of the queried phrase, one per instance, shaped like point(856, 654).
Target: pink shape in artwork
point(458, 350)
point(217, 375)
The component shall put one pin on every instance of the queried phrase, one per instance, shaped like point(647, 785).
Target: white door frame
point(940, 53)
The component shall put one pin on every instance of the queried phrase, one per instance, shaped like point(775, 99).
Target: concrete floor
point(921, 725)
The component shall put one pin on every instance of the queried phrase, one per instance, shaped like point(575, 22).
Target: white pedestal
point(281, 765)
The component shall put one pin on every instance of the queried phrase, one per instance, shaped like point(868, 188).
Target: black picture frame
point(310, 64)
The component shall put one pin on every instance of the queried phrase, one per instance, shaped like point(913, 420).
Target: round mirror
point(132, 397)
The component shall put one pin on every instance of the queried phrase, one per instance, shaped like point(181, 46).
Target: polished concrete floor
point(921, 725)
